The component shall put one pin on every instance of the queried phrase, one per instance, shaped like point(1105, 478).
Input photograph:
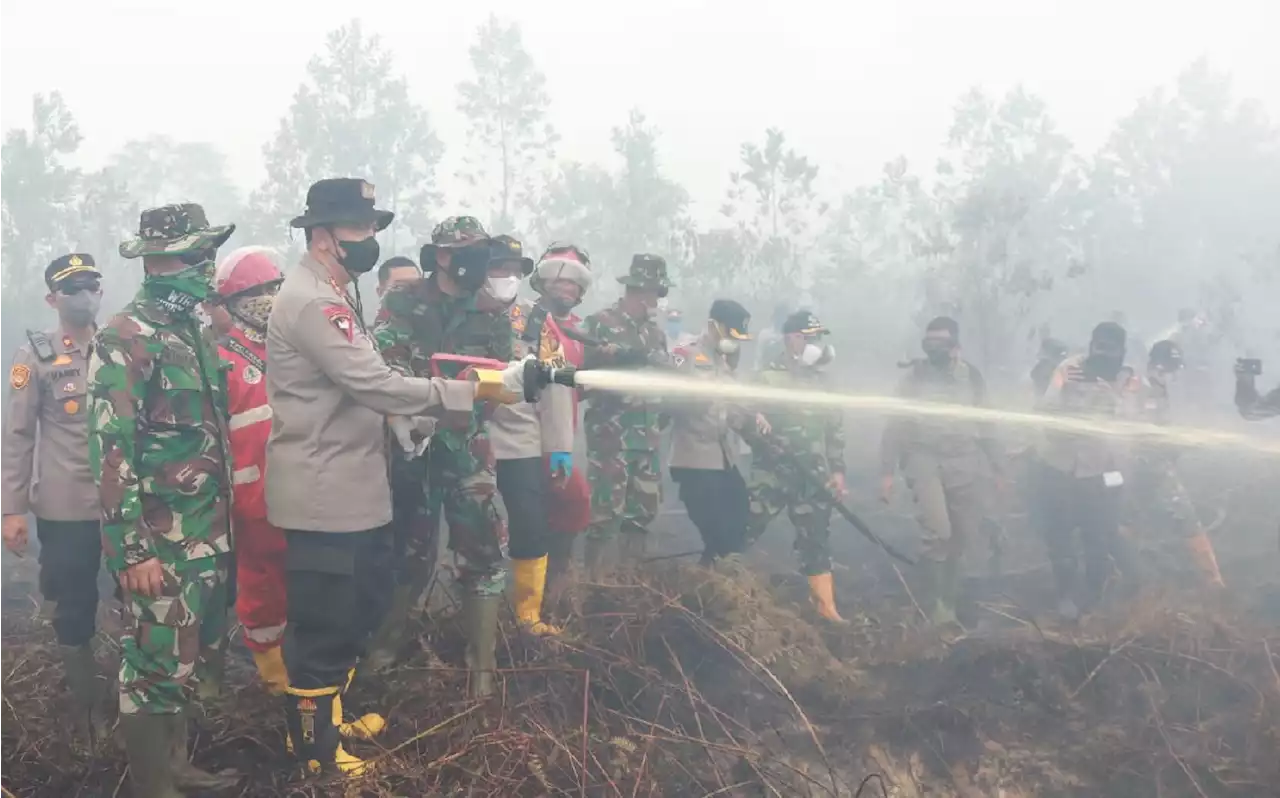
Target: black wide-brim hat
point(342, 200)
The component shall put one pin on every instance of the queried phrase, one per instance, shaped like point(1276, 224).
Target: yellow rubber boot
point(365, 727)
point(1204, 558)
point(271, 669)
point(530, 582)
point(823, 594)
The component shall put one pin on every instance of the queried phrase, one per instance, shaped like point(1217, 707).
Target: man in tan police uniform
point(327, 485)
point(46, 435)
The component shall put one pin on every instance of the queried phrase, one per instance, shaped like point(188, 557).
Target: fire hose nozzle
point(538, 376)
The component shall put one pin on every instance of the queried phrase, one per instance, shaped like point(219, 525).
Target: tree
point(351, 117)
point(159, 171)
point(39, 201)
point(634, 209)
point(512, 142)
point(1183, 202)
point(1007, 193)
point(50, 209)
point(772, 204)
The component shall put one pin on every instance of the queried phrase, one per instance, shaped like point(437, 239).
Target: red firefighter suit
point(246, 282)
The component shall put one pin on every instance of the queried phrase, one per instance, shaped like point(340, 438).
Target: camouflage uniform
point(623, 433)
point(421, 320)
point(157, 446)
point(815, 436)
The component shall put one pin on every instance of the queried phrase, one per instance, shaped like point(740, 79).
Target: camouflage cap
point(458, 231)
point(647, 271)
point(175, 230)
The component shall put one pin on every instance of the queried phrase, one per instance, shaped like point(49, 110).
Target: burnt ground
point(686, 682)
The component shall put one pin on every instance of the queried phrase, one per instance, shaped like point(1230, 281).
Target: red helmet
point(245, 269)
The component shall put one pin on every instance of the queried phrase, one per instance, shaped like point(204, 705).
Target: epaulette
point(41, 345)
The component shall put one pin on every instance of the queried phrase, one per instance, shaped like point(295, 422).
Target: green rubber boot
point(480, 625)
point(211, 670)
point(599, 554)
point(946, 586)
point(88, 694)
point(186, 775)
point(386, 641)
point(148, 743)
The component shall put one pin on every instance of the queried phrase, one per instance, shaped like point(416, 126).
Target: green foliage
point(772, 206)
point(159, 170)
point(636, 208)
point(351, 117)
point(512, 143)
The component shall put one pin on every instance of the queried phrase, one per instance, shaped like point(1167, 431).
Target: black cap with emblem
point(341, 200)
point(733, 316)
point(803, 321)
point(76, 269)
point(506, 248)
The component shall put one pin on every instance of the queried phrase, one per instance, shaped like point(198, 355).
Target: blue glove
point(561, 464)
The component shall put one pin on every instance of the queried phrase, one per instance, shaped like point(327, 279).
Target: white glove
point(513, 376)
point(402, 427)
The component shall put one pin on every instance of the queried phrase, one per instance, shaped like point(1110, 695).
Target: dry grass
point(685, 682)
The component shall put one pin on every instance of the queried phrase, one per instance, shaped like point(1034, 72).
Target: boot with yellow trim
point(313, 736)
point(822, 593)
point(480, 625)
point(530, 582)
point(271, 669)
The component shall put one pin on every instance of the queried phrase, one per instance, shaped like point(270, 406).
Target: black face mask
point(470, 267)
point(938, 352)
point(198, 257)
point(359, 256)
point(1105, 365)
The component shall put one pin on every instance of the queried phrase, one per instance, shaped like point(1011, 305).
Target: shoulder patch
point(342, 321)
point(19, 376)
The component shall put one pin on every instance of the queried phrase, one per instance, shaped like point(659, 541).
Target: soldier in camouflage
point(945, 461)
point(623, 433)
point(1156, 484)
point(449, 313)
point(814, 437)
point(158, 449)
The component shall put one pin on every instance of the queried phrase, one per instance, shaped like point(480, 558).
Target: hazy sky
point(852, 84)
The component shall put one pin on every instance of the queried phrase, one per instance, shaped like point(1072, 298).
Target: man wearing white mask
point(813, 439)
point(525, 436)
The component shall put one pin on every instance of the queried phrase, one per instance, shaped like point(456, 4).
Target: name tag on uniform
point(1112, 479)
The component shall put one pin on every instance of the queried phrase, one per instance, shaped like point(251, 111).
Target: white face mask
point(814, 354)
point(503, 289)
point(662, 303)
point(727, 346)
